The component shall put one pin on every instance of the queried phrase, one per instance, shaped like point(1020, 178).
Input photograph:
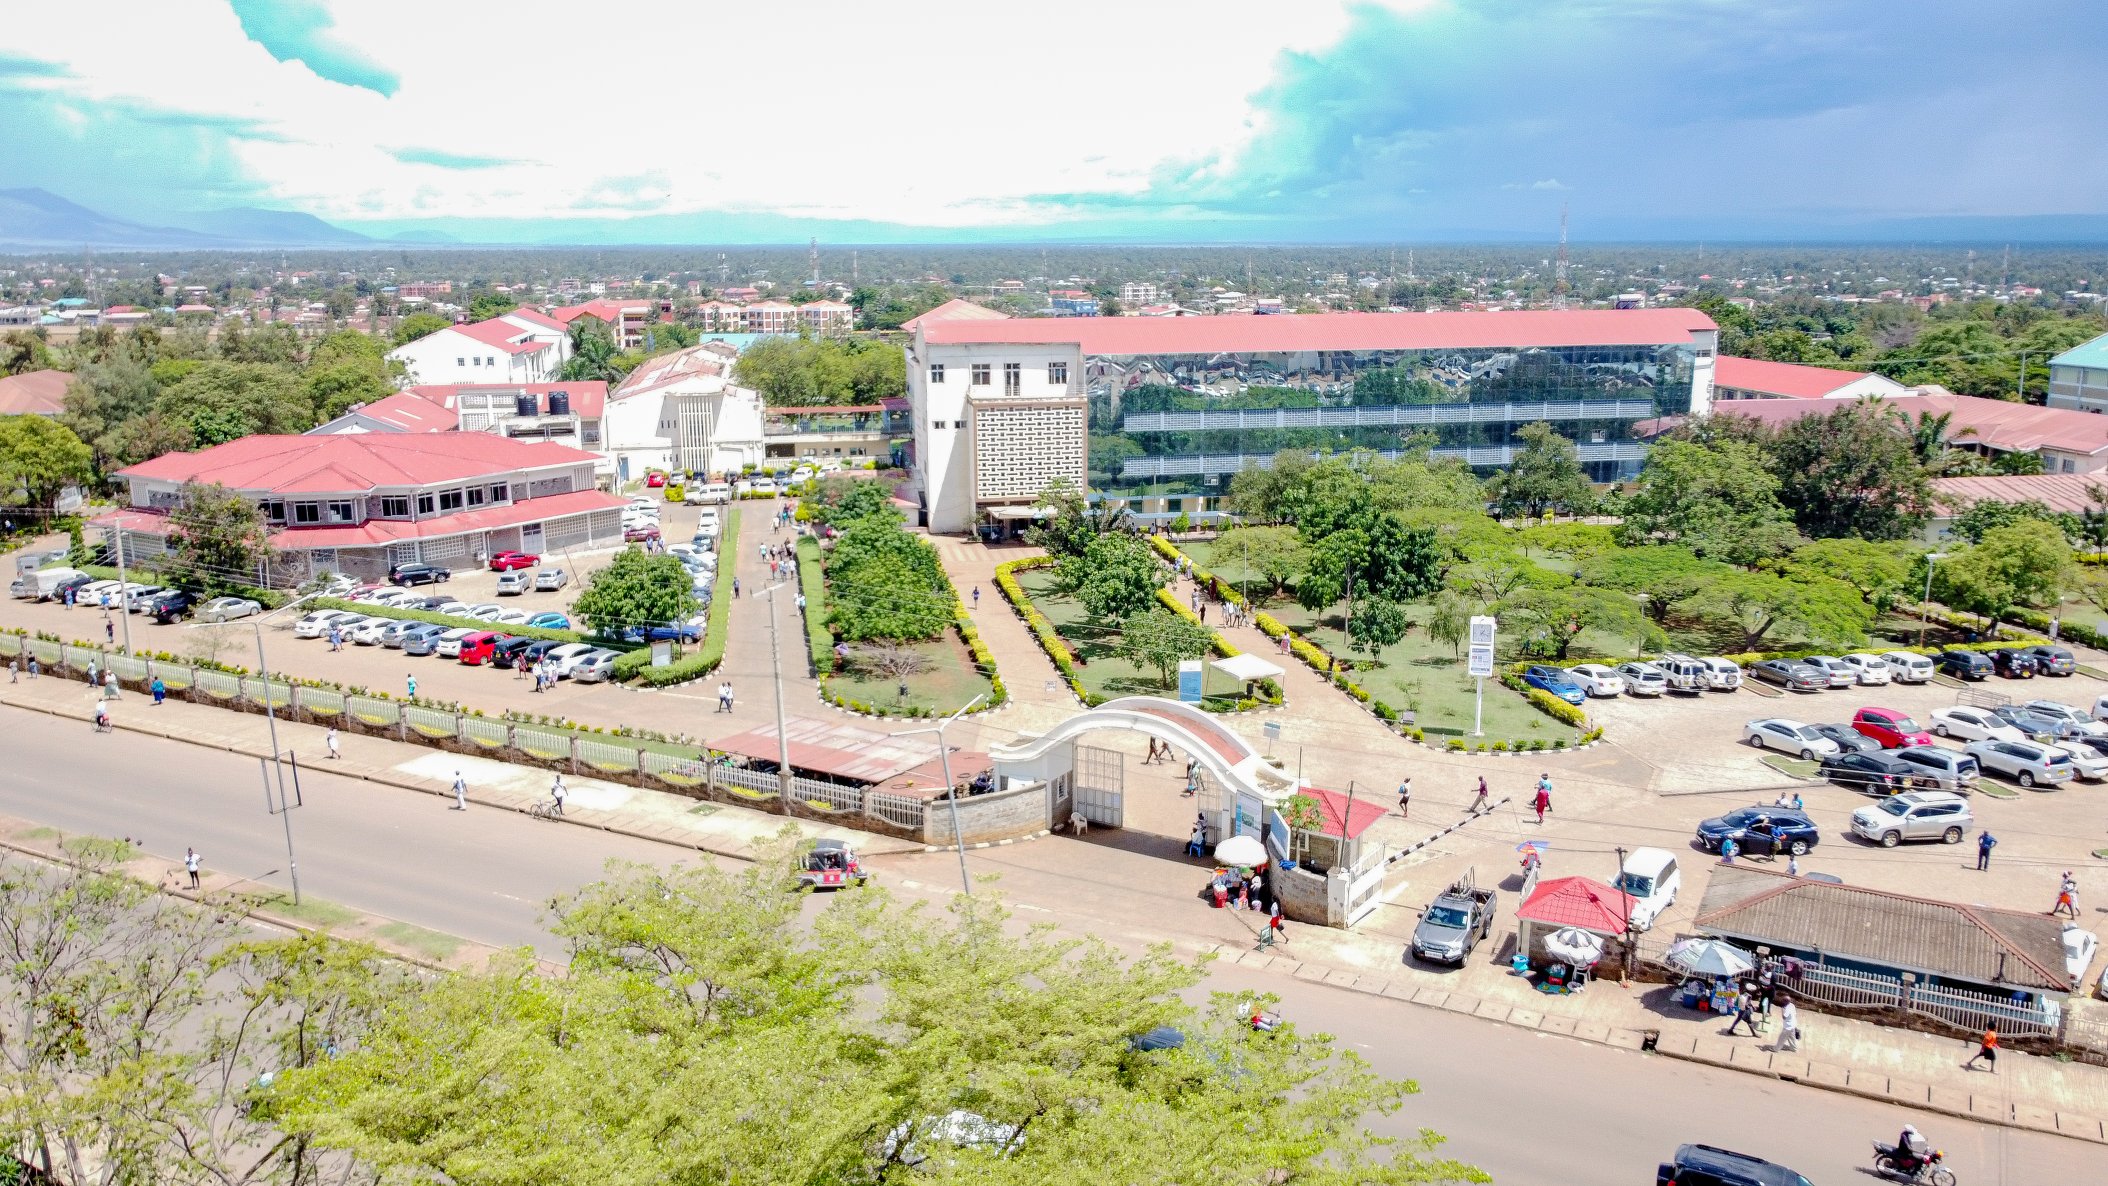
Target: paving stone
point(2030, 1116)
point(1789, 1066)
point(1528, 1017)
point(1754, 1058)
point(1313, 972)
point(1905, 1092)
point(1399, 990)
point(1593, 1031)
point(1553, 1023)
point(1340, 978)
point(1680, 1045)
point(1867, 1082)
point(1430, 996)
point(1949, 1099)
point(1456, 1004)
point(1706, 1048)
point(1623, 1039)
point(2088, 1128)
point(1493, 1010)
point(1990, 1108)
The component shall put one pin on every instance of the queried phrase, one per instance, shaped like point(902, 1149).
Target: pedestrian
point(557, 793)
point(1192, 780)
point(69, 598)
point(977, 597)
point(1767, 971)
point(735, 586)
point(1793, 865)
point(731, 698)
point(14, 670)
point(1405, 796)
point(460, 793)
point(336, 639)
point(1985, 842)
point(102, 717)
point(160, 691)
point(901, 693)
point(1203, 613)
point(1745, 1014)
point(190, 865)
point(109, 631)
point(1543, 801)
point(801, 601)
point(1986, 1049)
point(1481, 803)
point(1273, 922)
point(411, 683)
point(2067, 898)
point(331, 741)
point(109, 686)
point(1789, 1025)
point(34, 670)
point(1197, 843)
point(93, 673)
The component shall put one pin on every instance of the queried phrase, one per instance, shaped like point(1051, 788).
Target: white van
point(1682, 673)
point(1651, 877)
point(1721, 675)
point(710, 492)
point(1909, 668)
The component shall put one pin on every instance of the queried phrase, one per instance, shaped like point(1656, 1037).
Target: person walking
point(1986, 1049)
point(1789, 1025)
point(731, 697)
point(1985, 842)
point(556, 793)
point(1482, 802)
point(159, 689)
point(2067, 898)
point(336, 639)
point(977, 597)
point(1543, 801)
point(411, 683)
point(110, 690)
point(34, 670)
point(1793, 865)
point(190, 865)
point(14, 670)
point(460, 793)
point(1728, 848)
point(1405, 796)
point(102, 717)
point(1197, 843)
point(109, 630)
point(1745, 1014)
point(330, 740)
point(735, 586)
point(94, 674)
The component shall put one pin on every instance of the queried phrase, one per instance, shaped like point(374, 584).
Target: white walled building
point(995, 423)
point(514, 348)
point(681, 411)
point(570, 413)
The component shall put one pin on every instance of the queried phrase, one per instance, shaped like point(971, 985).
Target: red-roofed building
point(510, 348)
point(2069, 441)
point(34, 393)
point(358, 503)
point(1752, 378)
point(954, 309)
point(565, 413)
point(626, 319)
point(1580, 902)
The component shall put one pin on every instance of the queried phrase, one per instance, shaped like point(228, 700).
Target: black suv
point(2013, 663)
point(1965, 665)
point(1876, 772)
point(1704, 1165)
point(418, 574)
point(506, 654)
point(167, 607)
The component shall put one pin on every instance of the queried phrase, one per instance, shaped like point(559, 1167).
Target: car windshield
point(1638, 885)
point(1805, 733)
point(1447, 916)
point(1893, 807)
point(1903, 725)
point(1738, 819)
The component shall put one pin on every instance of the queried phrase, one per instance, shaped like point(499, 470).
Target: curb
point(985, 843)
point(1823, 1076)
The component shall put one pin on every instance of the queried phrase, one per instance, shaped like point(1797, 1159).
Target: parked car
point(564, 658)
point(594, 668)
point(423, 638)
point(509, 561)
point(1777, 827)
point(549, 580)
point(1848, 739)
point(419, 574)
point(1791, 674)
point(2029, 763)
point(479, 647)
point(1642, 679)
point(171, 605)
point(1939, 768)
point(1969, 665)
point(1914, 815)
point(2014, 663)
point(2028, 721)
point(1596, 679)
point(453, 609)
point(538, 649)
point(1789, 736)
point(1871, 670)
point(1555, 681)
point(2071, 721)
point(765, 486)
point(1908, 667)
point(2053, 660)
point(1973, 724)
point(1890, 727)
point(227, 609)
point(1651, 879)
point(514, 583)
point(511, 617)
point(688, 631)
point(637, 533)
point(2079, 946)
point(1454, 923)
point(482, 611)
point(317, 624)
point(1841, 673)
point(1720, 674)
point(448, 644)
point(368, 633)
point(1706, 1165)
point(136, 601)
point(507, 652)
point(1879, 772)
point(548, 620)
point(2088, 761)
point(399, 632)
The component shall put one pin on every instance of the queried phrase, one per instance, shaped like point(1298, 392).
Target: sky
point(1161, 120)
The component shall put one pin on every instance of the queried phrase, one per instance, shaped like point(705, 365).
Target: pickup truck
point(1454, 923)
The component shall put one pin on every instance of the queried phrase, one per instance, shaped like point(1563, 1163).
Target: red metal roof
point(841, 750)
point(1336, 805)
point(354, 462)
point(410, 411)
point(387, 531)
point(34, 393)
point(2070, 494)
point(535, 316)
point(1781, 378)
point(954, 310)
point(501, 334)
point(1578, 902)
point(606, 310)
point(1985, 423)
point(1299, 332)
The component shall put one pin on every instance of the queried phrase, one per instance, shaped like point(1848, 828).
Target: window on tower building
point(980, 374)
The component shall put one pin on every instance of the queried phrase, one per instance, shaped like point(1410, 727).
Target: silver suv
point(1914, 815)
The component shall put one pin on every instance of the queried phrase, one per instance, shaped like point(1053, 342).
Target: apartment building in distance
point(776, 317)
point(1135, 294)
point(2078, 378)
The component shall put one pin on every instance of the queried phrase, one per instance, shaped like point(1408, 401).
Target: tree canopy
point(1115, 577)
point(1544, 475)
point(636, 589)
point(39, 457)
point(217, 540)
point(813, 372)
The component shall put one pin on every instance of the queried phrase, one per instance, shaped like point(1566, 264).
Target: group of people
point(1756, 1000)
point(724, 696)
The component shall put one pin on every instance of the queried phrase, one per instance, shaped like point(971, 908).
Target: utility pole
point(123, 611)
point(951, 793)
point(286, 803)
point(785, 780)
point(1625, 899)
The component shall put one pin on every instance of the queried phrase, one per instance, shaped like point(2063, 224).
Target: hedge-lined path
point(1032, 679)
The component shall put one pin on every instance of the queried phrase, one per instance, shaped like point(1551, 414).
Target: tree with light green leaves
point(1665, 579)
point(418, 325)
point(224, 401)
point(1449, 620)
point(1377, 623)
point(2026, 564)
point(1276, 555)
point(1544, 475)
point(39, 457)
point(1160, 640)
point(1814, 610)
point(1115, 578)
point(1718, 499)
point(1548, 622)
point(636, 589)
point(712, 1029)
point(217, 540)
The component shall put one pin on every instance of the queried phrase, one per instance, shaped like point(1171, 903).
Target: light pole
point(283, 810)
point(786, 781)
point(1925, 606)
point(944, 763)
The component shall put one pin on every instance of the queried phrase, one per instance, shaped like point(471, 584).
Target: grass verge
point(311, 910)
point(433, 945)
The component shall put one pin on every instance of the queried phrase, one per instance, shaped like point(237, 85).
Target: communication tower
point(1559, 266)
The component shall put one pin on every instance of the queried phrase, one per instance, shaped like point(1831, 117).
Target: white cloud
point(954, 112)
point(1548, 183)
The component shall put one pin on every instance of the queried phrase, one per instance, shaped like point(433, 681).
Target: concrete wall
point(1004, 815)
point(1303, 896)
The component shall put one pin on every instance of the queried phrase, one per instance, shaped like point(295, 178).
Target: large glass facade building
point(1175, 406)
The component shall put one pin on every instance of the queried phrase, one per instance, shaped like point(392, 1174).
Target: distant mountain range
point(38, 219)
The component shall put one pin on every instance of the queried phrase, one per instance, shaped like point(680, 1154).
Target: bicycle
point(544, 809)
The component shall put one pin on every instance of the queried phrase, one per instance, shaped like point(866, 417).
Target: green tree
point(484, 304)
point(103, 398)
point(1576, 542)
point(1449, 620)
point(886, 584)
point(2028, 563)
point(1545, 475)
point(336, 390)
point(1071, 520)
point(1664, 578)
point(1160, 640)
point(593, 355)
point(842, 500)
point(216, 540)
point(1376, 623)
point(1548, 622)
point(1853, 473)
point(1115, 578)
point(1719, 499)
point(222, 401)
point(636, 589)
point(813, 372)
point(1881, 572)
point(40, 457)
point(418, 325)
point(1276, 554)
point(1815, 610)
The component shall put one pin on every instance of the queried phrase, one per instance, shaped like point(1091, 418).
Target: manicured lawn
point(1103, 669)
point(951, 678)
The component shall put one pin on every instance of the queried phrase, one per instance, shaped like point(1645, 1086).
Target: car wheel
point(1755, 742)
point(1951, 836)
point(1939, 729)
point(2026, 779)
point(1891, 839)
point(1807, 755)
point(1798, 848)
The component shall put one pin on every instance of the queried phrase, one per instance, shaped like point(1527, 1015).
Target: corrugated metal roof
point(1304, 332)
point(1781, 378)
point(1978, 944)
point(2085, 354)
point(2070, 494)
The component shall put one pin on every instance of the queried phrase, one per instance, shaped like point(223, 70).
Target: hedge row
point(636, 666)
point(1050, 640)
point(820, 639)
point(812, 581)
point(1269, 689)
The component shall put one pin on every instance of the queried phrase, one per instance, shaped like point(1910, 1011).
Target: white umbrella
point(1240, 851)
point(1710, 957)
point(1574, 946)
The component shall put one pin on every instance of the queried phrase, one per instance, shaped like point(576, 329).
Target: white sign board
point(1480, 662)
point(1482, 628)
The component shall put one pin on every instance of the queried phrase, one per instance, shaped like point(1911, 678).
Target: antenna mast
point(1559, 266)
point(812, 256)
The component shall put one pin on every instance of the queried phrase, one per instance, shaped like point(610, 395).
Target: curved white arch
point(1229, 758)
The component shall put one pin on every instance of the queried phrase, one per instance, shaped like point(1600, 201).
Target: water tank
point(525, 404)
point(559, 403)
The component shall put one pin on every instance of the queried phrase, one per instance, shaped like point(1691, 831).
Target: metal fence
point(608, 757)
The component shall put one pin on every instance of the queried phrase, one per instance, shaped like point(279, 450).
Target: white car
point(1972, 724)
point(368, 633)
point(643, 504)
point(1906, 667)
point(549, 580)
point(1596, 679)
point(562, 659)
point(514, 582)
point(449, 644)
point(483, 613)
point(593, 668)
point(2091, 763)
point(2079, 947)
point(227, 609)
point(1793, 737)
point(1721, 675)
point(1870, 670)
point(92, 592)
point(2065, 714)
point(1643, 679)
point(1842, 674)
point(137, 596)
point(458, 609)
point(316, 624)
point(511, 617)
point(765, 486)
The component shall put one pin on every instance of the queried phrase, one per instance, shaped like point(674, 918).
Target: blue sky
point(1153, 119)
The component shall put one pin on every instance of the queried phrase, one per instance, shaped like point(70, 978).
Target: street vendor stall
point(1711, 968)
point(1569, 908)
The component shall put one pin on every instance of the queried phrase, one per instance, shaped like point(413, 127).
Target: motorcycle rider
point(1911, 1149)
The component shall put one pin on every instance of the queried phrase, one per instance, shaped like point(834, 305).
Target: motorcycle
point(1900, 1165)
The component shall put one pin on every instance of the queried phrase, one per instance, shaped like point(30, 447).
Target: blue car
point(1556, 681)
point(549, 620)
point(689, 631)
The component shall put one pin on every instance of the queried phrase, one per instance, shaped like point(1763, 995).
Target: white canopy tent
point(1246, 668)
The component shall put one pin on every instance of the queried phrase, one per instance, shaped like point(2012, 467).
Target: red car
point(1893, 728)
point(655, 478)
point(638, 533)
point(476, 648)
point(507, 561)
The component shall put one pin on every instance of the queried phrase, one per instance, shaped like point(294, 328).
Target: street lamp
point(1925, 606)
point(944, 763)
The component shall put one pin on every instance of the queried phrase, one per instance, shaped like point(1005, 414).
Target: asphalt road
point(1529, 1108)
